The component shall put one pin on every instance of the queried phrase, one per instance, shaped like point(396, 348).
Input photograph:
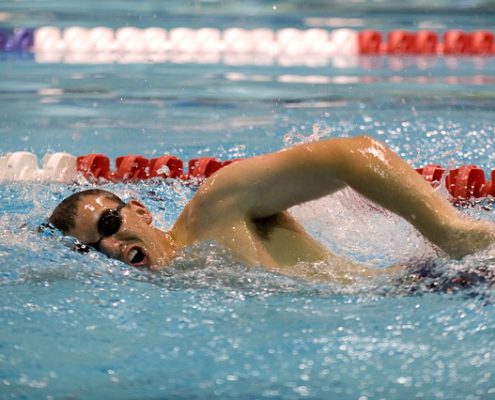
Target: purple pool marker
point(4, 36)
point(21, 39)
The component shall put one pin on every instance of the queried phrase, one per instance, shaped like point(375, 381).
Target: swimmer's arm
point(265, 185)
point(262, 186)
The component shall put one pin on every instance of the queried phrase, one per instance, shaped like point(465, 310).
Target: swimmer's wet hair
point(64, 215)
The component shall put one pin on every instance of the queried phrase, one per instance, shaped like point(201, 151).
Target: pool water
point(86, 327)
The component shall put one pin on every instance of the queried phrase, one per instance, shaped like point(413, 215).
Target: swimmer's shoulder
point(206, 214)
point(216, 201)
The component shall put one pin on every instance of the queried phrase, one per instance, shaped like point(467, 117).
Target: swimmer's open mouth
point(137, 257)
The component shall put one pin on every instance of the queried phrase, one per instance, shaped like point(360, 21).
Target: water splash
point(347, 223)
point(318, 132)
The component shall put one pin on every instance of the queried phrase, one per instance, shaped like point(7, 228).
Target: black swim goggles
point(48, 230)
point(108, 224)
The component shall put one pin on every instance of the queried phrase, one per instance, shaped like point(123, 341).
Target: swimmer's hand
point(468, 236)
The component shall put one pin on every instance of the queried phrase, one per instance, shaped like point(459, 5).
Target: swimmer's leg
point(378, 173)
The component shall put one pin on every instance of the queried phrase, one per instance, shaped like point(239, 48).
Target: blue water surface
point(79, 326)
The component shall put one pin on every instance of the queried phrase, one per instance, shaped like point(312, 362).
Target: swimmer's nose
point(111, 246)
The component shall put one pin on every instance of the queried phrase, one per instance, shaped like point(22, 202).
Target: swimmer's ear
point(141, 210)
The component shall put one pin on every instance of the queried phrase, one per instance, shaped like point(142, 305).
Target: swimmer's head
point(65, 214)
point(123, 231)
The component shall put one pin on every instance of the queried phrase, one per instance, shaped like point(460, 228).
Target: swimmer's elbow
point(360, 142)
point(349, 155)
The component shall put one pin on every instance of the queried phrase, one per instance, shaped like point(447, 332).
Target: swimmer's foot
point(469, 237)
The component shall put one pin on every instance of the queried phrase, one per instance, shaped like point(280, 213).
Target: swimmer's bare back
point(243, 206)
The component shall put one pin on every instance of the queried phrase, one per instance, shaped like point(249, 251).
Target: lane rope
point(463, 183)
point(288, 41)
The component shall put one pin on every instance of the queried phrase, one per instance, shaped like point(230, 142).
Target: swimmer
point(243, 207)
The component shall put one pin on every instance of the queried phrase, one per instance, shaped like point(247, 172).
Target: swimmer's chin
point(156, 267)
point(160, 264)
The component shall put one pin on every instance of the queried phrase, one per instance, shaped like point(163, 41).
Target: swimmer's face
point(135, 242)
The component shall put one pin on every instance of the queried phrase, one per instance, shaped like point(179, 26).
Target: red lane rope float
point(463, 183)
point(132, 168)
point(432, 173)
point(401, 42)
point(489, 189)
point(466, 182)
point(94, 167)
point(203, 167)
point(166, 167)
